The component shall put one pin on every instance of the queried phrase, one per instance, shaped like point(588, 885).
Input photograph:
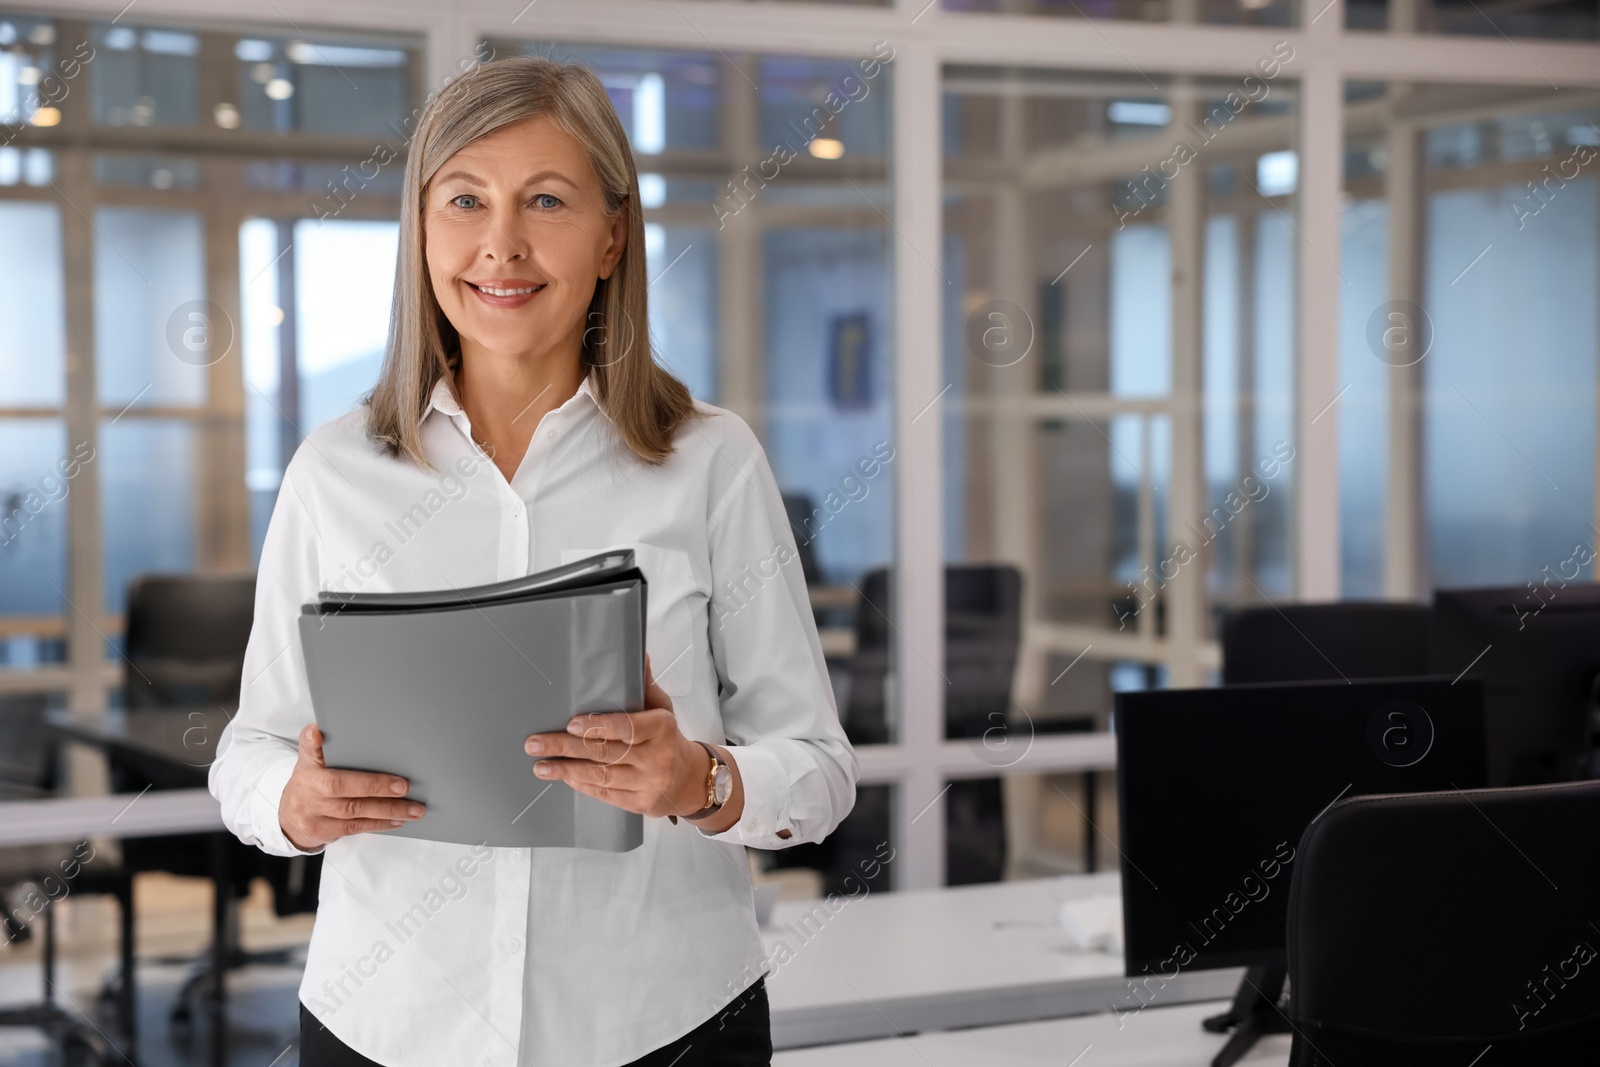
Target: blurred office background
point(1343, 345)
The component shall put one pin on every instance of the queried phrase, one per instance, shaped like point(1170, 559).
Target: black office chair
point(983, 627)
point(33, 877)
point(1426, 928)
point(1324, 642)
point(185, 641)
point(804, 522)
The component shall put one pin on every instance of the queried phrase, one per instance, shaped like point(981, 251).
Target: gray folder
point(444, 686)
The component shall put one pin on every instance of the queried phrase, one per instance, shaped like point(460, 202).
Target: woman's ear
point(618, 240)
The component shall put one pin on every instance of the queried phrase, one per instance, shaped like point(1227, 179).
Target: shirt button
point(514, 945)
point(516, 855)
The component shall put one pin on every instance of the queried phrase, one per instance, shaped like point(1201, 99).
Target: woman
point(520, 421)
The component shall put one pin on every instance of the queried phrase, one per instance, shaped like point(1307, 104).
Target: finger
point(618, 777)
point(589, 746)
point(339, 783)
point(341, 809)
point(311, 746)
point(336, 783)
point(654, 695)
point(631, 726)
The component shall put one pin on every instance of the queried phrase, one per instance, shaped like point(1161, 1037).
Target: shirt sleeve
point(259, 748)
point(782, 726)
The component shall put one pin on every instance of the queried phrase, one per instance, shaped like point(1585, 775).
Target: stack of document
point(444, 686)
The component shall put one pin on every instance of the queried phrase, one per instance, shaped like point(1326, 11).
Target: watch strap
point(712, 805)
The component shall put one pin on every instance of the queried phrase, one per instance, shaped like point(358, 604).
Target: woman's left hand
point(635, 760)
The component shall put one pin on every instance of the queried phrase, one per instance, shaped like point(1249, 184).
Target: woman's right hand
point(321, 805)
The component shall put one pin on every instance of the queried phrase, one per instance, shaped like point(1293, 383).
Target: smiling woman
point(518, 334)
point(522, 179)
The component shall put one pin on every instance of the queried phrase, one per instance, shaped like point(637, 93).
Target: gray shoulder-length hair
point(645, 402)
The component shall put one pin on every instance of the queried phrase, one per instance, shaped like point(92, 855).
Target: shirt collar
point(444, 397)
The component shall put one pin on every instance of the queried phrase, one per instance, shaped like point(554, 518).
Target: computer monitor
point(1538, 654)
point(1217, 785)
point(1333, 642)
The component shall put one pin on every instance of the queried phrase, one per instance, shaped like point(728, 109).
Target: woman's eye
point(464, 196)
point(539, 199)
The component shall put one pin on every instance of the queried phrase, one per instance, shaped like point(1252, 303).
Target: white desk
point(891, 963)
point(63, 819)
point(1155, 1037)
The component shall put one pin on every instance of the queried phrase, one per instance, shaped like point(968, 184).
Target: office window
point(32, 305)
point(1482, 352)
point(1509, 398)
point(327, 85)
point(1228, 12)
point(1096, 381)
point(147, 500)
point(1363, 408)
point(149, 278)
point(1554, 19)
point(147, 171)
point(144, 75)
point(683, 300)
point(28, 58)
point(36, 475)
point(666, 100)
point(332, 335)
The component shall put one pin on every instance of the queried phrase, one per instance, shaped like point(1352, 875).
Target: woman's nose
point(504, 240)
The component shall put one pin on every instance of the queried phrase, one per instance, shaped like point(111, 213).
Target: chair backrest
point(1324, 642)
point(1425, 927)
point(28, 754)
point(185, 637)
point(805, 523)
point(982, 638)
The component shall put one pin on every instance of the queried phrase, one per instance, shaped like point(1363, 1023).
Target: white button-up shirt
point(426, 953)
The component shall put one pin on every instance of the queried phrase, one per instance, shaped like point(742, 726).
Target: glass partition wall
point(1065, 328)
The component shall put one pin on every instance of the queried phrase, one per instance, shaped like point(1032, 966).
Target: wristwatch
point(719, 785)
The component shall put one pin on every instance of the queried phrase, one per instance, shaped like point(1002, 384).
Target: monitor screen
point(1537, 651)
point(1217, 785)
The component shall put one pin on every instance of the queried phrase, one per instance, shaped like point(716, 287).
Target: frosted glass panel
point(1509, 446)
point(1363, 406)
point(827, 390)
point(683, 303)
point(152, 322)
point(36, 476)
point(344, 282)
point(32, 306)
point(147, 477)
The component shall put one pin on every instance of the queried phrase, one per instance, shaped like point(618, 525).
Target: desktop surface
point(918, 960)
point(1158, 1037)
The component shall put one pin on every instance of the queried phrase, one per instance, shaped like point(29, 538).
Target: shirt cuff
point(766, 800)
point(265, 800)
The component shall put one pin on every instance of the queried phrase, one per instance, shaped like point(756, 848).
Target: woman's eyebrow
point(473, 179)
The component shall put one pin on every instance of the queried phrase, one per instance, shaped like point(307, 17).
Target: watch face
point(724, 785)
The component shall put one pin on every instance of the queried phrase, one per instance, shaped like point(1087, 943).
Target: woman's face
point(520, 209)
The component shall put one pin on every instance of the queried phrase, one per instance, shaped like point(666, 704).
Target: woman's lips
point(504, 301)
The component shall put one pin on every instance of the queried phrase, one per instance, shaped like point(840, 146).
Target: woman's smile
point(507, 293)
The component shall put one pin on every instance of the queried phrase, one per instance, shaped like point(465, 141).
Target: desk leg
point(49, 914)
point(1091, 794)
point(223, 900)
point(127, 999)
